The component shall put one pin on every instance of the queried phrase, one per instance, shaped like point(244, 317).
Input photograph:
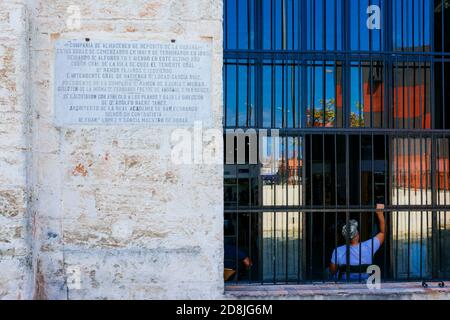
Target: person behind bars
point(361, 253)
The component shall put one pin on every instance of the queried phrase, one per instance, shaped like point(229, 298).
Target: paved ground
point(388, 291)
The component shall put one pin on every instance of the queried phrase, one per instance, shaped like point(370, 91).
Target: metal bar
point(397, 178)
point(371, 92)
point(421, 212)
point(300, 202)
point(304, 216)
point(341, 209)
point(324, 203)
point(347, 215)
point(336, 201)
point(353, 54)
point(286, 165)
point(409, 202)
point(409, 131)
point(387, 183)
point(311, 214)
point(320, 131)
point(274, 252)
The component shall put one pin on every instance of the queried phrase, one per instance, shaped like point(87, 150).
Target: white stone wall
point(15, 262)
point(110, 215)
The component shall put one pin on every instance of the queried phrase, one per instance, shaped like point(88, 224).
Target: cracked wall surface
point(15, 254)
point(102, 212)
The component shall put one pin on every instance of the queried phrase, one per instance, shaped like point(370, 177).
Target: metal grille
point(342, 118)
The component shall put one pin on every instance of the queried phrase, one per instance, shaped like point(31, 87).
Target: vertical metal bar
point(373, 192)
point(432, 70)
point(299, 249)
point(313, 94)
point(412, 24)
point(311, 212)
point(442, 189)
point(323, 171)
point(225, 93)
point(283, 25)
point(422, 107)
point(397, 183)
point(446, 177)
point(300, 202)
point(441, 185)
point(415, 86)
point(409, 202)
point(444, 124)
point(360, 96)
point(293, 25)
point(336, 200)
point(250, 217)
point(237, 93)
point(324, 204)
point(283, 96)
point(421, 212)
point(287, 248)
point(444, 158)
point(248, 106)
point(324, 107)
point(428, 176)
point(433, 203)
point(272, 97)
point(398, 91)
point(373, 172)
point(359, 24)
point(261, 245)
point(370, 49)
point(299, 96)
point(304, 215)
point(313, 22)
point(324, 25)
point(335, 172)
point(286, 164)
point(360, 170)
point(248, 24)
point(371, 124)
point(237, 23)
point(360, 247)
point(396, 95)
point(403, 35)
point(446, 191)
point(274, 252)
point(335, 68)
point(347, 217)
point(303, 93)
point(386, 199)
point(443, 4)
point(335, 47)
point(237, 243)
point(273, 28)
point(408, 94)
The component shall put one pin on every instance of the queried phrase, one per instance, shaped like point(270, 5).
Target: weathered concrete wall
point(114, 217)
point(15, 262)
point(101, 212)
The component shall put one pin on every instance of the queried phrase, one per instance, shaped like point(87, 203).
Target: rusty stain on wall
point(80, 170)
point(39, 285)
